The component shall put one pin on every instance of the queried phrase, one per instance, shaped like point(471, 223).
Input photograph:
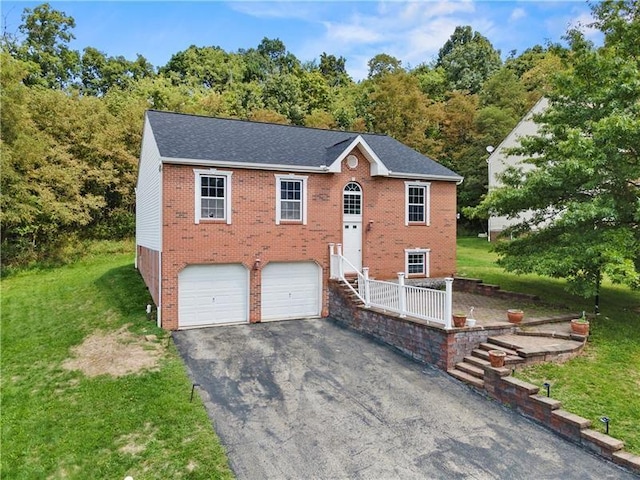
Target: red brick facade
point(253, 234)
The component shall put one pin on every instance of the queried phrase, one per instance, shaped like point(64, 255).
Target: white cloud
point(412, 31)
point(281, 9)
point(582, 22)
point(517, 14)
point(353, 34)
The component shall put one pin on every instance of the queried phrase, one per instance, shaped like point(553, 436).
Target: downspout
point(159, 316)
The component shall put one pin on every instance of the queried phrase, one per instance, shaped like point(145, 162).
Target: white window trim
point(427, 262)
point(301, 178)
point(427, 201)
point(358, 193)
point(212, 172)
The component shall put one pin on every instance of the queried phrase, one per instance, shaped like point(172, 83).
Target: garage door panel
point(212, 294)
point(291, 290)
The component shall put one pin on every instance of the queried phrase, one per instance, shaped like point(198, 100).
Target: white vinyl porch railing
point(419, 302)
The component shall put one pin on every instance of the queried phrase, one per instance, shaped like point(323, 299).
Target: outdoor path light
point(605, 420)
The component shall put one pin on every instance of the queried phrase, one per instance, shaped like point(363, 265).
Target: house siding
point(499, 161)
point(149, 193)
point(254, 234)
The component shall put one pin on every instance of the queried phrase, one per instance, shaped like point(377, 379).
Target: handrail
point(425, 303)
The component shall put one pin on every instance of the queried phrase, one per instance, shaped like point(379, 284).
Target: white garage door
point(291, 290)
point(212, 295)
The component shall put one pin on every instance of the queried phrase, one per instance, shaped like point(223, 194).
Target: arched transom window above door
point(352, 199)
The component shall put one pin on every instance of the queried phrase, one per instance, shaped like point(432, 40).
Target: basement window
point(417, 262)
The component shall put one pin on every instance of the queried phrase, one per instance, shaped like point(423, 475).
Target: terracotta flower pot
point(580, 327)
point(515, 316)
point(496, 357)
point(459, 320)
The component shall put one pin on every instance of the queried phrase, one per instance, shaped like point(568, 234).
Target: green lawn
point(61, 423)
point(605, 379)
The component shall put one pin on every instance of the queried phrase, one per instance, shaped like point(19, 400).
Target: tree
point(47, 36)
point(47, 192)
point(333, 69)
point(433, 81)
point(209, 67)
point(583, 193)
point(382, 64)
point(283, 94)
point(505, 91)
point(278, 58)
point(398, 108)
point(100, 73)
point(468, 59)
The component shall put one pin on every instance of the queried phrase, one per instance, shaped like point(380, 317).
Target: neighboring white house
point(499, 161)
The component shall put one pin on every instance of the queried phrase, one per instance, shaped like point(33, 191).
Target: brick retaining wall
point(432, 344)
point(419, 339)
point(477, 286)
point(524, 398)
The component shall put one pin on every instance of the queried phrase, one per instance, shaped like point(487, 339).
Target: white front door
point(352, 226)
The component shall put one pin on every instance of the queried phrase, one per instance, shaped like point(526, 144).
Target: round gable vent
point(352, 161)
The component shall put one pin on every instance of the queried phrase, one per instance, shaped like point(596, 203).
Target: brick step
point(495, 346)
point(476, 361)
point(484, 354)
point(466, 378)
point(470, 369)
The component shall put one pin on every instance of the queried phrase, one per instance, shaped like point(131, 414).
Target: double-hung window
point(417, 203)
point(212, 196)
point(417, 262)
point(291, 199)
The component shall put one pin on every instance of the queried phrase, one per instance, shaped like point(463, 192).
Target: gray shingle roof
point(193, 137)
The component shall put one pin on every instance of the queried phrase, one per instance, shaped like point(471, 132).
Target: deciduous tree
point(468, 58)
point(584, 190)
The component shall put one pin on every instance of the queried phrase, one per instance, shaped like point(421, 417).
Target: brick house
point(234, 218)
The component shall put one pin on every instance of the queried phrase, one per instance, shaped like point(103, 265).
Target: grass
point(60, 423)
point(605, 379)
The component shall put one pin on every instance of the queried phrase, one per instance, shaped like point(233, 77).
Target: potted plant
point(580, 325)
point(459, 319)
point(515, 315)
point(496, 357)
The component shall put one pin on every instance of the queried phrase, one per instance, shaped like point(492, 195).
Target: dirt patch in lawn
point(116, 353)
point(136, 443)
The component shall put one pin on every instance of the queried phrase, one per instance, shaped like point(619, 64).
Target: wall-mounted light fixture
point(369, 225)
point(256, 264)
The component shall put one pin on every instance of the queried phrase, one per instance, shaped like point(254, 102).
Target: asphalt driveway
point(309, 399)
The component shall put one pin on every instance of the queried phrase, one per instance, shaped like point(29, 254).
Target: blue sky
point(357, 30)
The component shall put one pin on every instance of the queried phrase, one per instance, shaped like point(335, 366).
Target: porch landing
point(544, 335)
point(492, 311)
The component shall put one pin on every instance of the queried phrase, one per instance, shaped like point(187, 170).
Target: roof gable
point(377, 167)
point(194, 139)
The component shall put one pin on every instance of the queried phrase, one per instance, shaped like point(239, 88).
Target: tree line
point(71, 121)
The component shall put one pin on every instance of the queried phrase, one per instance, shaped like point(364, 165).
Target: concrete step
point(466, 378)
point(562, 336)
point(470, 369)
point(495, 346)
point(476, 361)
point(504, 343)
